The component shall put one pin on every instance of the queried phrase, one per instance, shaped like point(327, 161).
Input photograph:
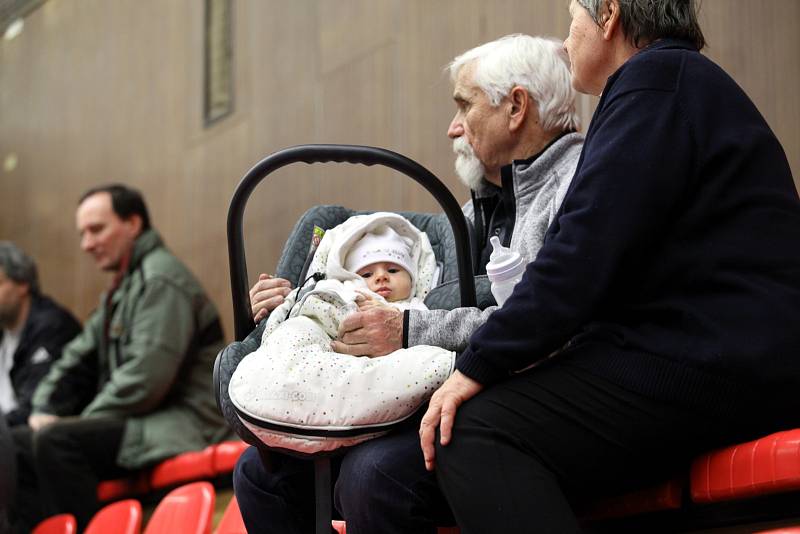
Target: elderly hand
point(442, 411)
point(37, 421)
point(267, 294)
point(375, 330)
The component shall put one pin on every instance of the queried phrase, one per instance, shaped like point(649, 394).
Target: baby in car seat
point(294, 389)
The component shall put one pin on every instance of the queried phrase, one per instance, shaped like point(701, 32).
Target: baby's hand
point(367, 300)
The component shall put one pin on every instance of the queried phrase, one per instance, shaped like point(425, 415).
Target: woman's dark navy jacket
point(48, 327)
point(673, 268)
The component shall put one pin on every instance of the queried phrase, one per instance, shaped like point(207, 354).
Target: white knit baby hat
point(382, 244)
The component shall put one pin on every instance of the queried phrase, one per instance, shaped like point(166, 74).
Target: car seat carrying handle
point(364, 155)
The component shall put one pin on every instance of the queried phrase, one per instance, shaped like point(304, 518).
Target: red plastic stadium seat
point(665, 496)
point(212, 461)
point(194, 465)
point(122, 517)
point(231, 522)
point(226, 455)
point(185, 510)
point(110, 490)
point(58, 524)
point(767, 465)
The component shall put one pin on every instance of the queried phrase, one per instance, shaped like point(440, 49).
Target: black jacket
point(673, 268)
point(49, 327)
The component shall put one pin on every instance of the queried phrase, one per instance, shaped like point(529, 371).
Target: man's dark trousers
point(80, 452)
point(381, 486)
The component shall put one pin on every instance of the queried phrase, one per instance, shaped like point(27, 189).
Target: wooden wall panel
point(358, 94)
point(281, 66)
point(95, 91)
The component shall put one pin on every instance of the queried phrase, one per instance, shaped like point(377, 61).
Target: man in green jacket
point(135, 386)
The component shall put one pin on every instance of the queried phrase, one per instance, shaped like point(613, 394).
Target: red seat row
point(763, 466)
point(760, 467)
point(211, 462)
point(767, 465)
point(188, 509)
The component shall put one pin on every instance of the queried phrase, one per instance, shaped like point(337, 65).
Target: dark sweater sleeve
point(634, 171)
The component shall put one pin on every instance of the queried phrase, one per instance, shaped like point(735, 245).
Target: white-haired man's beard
point(469, 168)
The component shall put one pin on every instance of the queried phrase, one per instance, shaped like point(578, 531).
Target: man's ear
point(135, 222)
point(609, 19)
point(519, 102)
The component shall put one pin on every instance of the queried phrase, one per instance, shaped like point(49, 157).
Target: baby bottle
point(504, 269)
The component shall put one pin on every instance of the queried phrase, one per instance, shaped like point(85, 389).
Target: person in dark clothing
point(33, 330)
point(668, 286)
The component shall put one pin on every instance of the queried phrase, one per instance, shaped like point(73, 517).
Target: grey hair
point(18, 266)
point(539, 64)
point(644, 21)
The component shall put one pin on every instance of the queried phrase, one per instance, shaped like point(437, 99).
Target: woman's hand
point(442, 412)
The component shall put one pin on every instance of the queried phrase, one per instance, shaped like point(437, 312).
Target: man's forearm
point(448, 329)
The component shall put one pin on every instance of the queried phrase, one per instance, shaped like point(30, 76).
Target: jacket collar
point(664, 44)
point(36, 304)
point(147, 241)
point(660, 44)
point(144, 244)
point(509, 173)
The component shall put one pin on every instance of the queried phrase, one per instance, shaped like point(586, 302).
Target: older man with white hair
point(514, 136)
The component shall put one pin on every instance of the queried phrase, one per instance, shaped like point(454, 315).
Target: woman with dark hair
point(666, 295)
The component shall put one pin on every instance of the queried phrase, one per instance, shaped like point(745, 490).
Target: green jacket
point(154, 365)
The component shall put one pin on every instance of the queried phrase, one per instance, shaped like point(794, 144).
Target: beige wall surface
point(96, 91)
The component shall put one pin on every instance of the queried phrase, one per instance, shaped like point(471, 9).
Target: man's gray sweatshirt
point(539, 185)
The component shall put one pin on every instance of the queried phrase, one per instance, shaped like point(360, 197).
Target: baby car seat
point(448, 233)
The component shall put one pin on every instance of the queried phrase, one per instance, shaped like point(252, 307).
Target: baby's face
point(388, 280)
